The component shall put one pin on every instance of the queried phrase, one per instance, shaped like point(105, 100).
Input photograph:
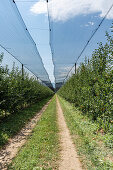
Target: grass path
point(69, 158)
point(41, 150)
point(11, 149)
point(51, 145)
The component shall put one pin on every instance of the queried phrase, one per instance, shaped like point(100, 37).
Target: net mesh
point(16, 40)
point(74, 38)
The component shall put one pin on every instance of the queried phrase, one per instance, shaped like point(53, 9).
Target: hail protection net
point(15, 39)
point(75, 29)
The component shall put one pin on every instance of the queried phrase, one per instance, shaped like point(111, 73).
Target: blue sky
point(72, 21)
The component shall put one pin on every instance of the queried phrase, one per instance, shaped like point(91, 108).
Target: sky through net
point(16, 40)
point(75, 29)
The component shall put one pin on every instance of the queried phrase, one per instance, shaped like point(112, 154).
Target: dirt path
point(69, 157)
point(11, 149)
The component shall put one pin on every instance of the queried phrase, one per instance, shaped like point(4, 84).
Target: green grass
point(42, 148)
point(12, 124)
point(90, 143)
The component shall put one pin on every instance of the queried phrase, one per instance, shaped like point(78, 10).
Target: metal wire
point(29, 39)
point(89, 40)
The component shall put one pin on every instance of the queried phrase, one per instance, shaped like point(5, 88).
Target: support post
point(75, 68)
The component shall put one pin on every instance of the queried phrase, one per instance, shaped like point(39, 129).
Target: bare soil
point(8, 152)
point(69, 158)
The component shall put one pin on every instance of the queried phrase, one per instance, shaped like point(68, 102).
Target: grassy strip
point(89, 143)
point(41, 150)
point(12, 124)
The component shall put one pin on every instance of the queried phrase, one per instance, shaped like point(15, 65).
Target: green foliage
point(91, 89)
point(17, 92)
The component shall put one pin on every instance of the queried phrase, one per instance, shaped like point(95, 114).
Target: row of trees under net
point(91, 88)
point(18, 91)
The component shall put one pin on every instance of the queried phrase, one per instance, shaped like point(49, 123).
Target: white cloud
point(62, 10)
point(39, 7)
point(89, 24)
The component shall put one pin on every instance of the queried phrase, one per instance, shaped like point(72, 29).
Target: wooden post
point(75, 68)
